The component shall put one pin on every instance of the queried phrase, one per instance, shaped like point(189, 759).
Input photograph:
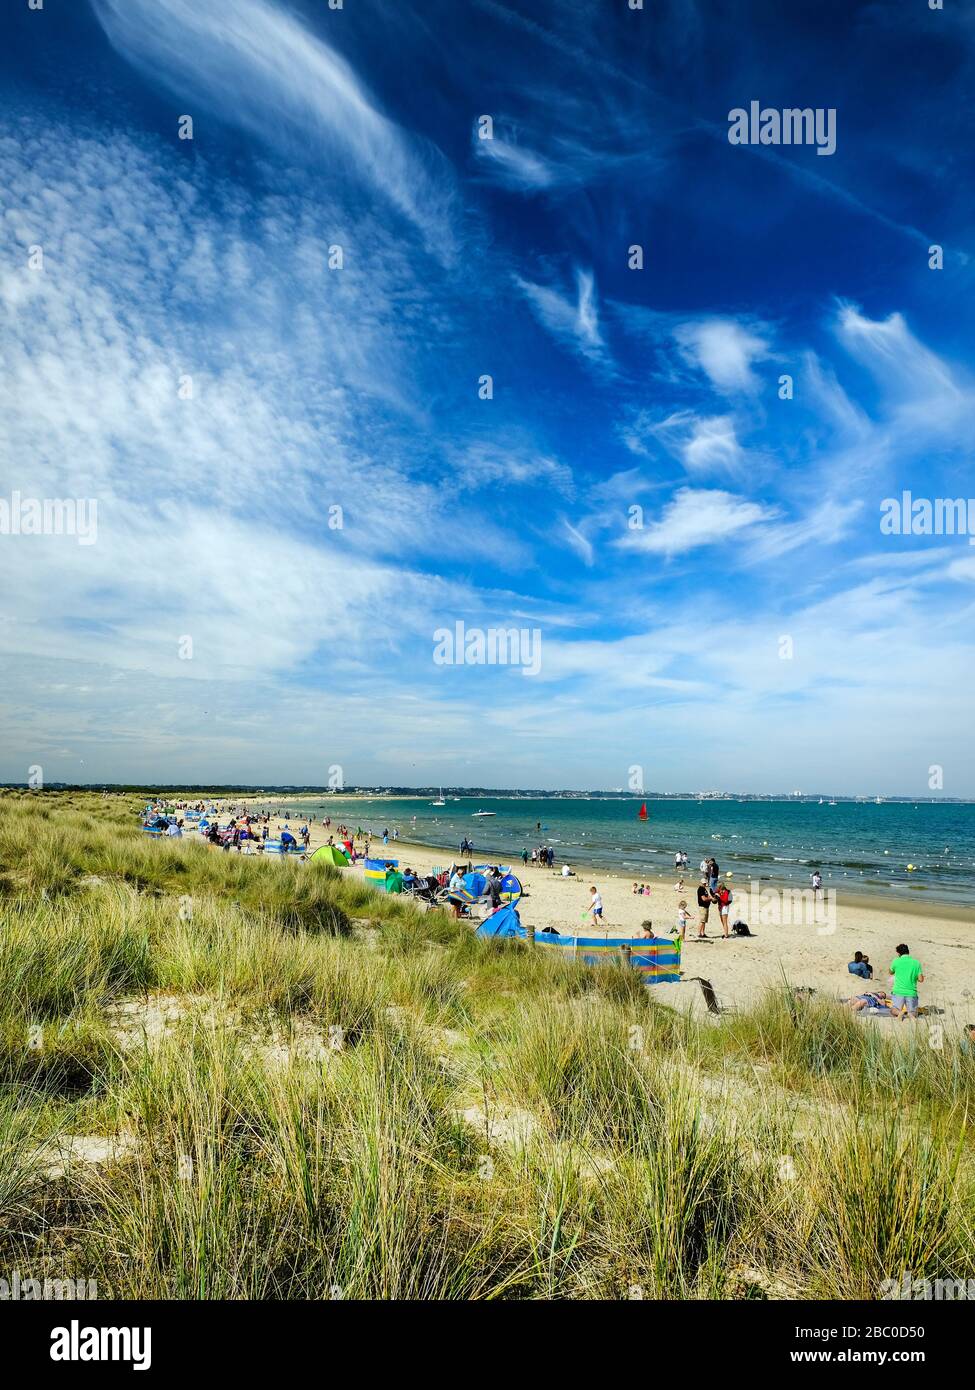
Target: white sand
point(806, 952)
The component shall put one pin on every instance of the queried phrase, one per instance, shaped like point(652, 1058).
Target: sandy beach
point(807, 948)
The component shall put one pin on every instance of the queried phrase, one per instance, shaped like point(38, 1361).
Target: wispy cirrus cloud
point(574, 322)
point(258, 67)
point(696, 517)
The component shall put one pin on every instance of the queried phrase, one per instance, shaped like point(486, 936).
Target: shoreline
point(846, 873)
point(866, 898)
point(809, 948)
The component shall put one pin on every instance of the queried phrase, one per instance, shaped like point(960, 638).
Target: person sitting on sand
point(287, 840)
point(679, 886)
point(646, 928)
point(635, 888)
point(861, 966)
point(567, 872)
point(906, 973)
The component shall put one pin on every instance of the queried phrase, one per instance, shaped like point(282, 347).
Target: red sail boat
point(643, 811)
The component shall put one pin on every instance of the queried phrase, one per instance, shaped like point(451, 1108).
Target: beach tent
point(504, 922)
point(475, 886)
point(331, 854)
point(511, 889)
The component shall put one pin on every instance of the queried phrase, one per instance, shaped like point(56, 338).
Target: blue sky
point(315, 388)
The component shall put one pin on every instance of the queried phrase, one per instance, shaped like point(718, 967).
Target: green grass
point(320, 1092)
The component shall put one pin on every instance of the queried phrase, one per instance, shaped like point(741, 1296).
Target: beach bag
point(740, 929)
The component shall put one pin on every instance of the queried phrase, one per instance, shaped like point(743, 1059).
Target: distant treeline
point(527, 793)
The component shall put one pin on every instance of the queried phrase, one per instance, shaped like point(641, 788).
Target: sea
point(903, 849)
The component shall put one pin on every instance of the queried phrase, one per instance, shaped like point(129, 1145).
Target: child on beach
point(596, 907)
point(683, 919)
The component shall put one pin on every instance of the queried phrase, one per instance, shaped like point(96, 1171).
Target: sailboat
point(642, 813)
point(441, 801)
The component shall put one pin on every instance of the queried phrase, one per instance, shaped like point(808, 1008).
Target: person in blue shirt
point(860, 965)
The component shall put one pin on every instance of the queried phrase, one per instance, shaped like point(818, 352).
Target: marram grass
point(266, 1081)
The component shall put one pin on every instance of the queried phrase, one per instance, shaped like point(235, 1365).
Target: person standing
point(724, 897)
point(596, 907)
point(683, 919)
point(906, 973)
point(816, 879)
point(704, 901)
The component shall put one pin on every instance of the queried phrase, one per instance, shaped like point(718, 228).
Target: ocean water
point(856, 846)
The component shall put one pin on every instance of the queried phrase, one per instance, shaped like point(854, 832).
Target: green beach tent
point(331, 854)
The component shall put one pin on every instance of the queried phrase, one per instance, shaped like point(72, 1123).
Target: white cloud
point(696, 517)
point(703, 444)
point(713, 447)
point(574, 322)
point(510, 462)
point(920, 387)
point(515, 166)
point(578, 542)
point(725, 350)
point(261, 69)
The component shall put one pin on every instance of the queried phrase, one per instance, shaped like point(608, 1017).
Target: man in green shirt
point(906, 974)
